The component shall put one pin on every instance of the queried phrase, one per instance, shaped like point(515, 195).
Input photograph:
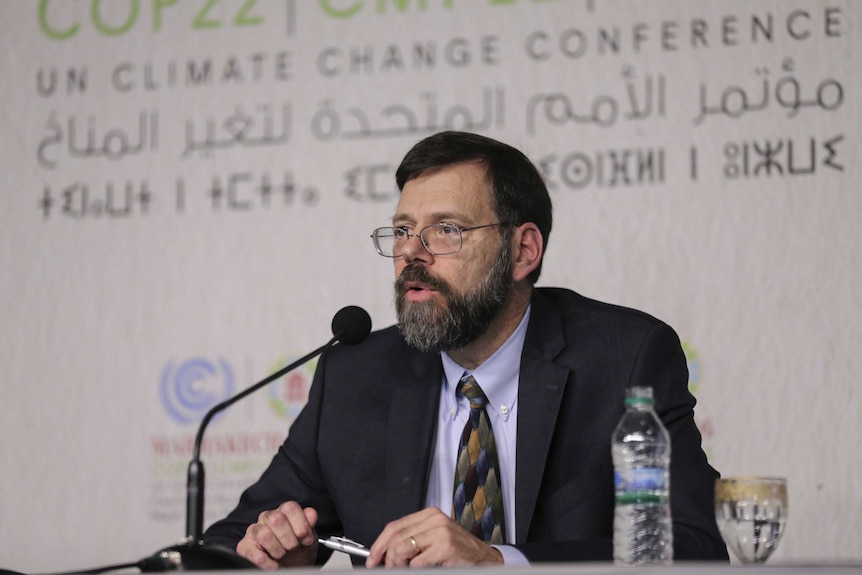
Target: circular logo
point(189, 389)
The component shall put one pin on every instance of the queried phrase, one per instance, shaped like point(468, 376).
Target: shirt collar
point(497, 376)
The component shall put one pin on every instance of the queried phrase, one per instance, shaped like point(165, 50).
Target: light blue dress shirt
point(498, 377)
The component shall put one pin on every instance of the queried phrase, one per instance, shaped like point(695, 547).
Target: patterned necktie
point(477, 503)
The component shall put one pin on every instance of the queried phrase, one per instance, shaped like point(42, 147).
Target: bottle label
point(640, 485)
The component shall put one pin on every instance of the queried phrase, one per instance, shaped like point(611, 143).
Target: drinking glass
point(751, 513)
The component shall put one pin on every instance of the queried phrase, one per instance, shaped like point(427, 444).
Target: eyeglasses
point(437, 239)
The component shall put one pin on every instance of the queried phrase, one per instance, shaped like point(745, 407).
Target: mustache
point(419, 273)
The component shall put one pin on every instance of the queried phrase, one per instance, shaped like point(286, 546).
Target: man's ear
point(527, 249)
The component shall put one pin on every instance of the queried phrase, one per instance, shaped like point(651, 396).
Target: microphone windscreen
point(351, 325)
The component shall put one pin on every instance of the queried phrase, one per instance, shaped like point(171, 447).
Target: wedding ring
point(415, 547)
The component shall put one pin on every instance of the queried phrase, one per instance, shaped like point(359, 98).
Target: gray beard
point(428, 327)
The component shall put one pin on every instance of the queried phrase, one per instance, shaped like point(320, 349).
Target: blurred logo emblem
point(705, 424)
point(289, 393)
point(189, 389)
point(693, 361)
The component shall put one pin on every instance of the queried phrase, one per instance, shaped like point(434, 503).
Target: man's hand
point(429, 538)
point(283, 537)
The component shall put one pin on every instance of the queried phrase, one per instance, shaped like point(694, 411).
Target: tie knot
point(472, 391)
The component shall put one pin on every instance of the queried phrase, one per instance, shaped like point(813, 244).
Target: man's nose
point(414, 250)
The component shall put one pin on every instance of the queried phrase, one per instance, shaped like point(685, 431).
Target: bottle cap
point(638, 394)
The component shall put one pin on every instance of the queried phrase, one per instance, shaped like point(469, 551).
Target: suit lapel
point(410, 433)
point(540, 391)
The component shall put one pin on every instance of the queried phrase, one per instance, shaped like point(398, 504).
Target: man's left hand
point(429, 538)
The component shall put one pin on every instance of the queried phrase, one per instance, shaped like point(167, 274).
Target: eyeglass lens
point(438, 239)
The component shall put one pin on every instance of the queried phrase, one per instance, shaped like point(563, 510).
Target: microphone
point(350, 326)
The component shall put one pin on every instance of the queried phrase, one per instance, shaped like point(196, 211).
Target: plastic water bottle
point(641, 452)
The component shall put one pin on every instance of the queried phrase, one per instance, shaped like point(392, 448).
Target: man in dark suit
point(373, 454)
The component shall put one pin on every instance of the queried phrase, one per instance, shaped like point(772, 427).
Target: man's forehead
point(458, 189)
point(476, 166)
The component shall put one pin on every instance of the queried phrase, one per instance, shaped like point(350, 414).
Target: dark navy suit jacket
point(360, 451)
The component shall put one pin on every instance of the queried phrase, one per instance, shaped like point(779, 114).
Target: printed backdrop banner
point(188, 188)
